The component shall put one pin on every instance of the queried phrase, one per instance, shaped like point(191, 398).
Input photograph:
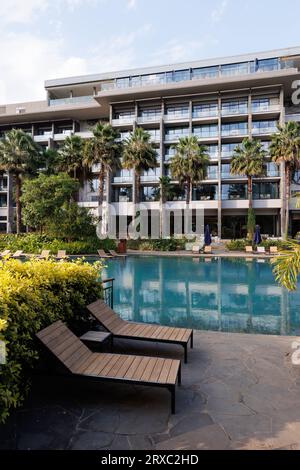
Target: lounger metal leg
point(179, 375)
point(192, 340)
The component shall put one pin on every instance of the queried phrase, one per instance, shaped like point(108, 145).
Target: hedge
point(33, 243)
point(33, 295)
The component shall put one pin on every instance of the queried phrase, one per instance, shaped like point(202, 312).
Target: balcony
point(265, 108)
point(150, 118)
point(206, 135)
point(228, 176)
point(264, 130)
point(213, 113)
point(176, 137)
point(234, 132)
point(123, 121)
point(71, 101)
point(123, 179)
point(234, 111)
point(182, 116)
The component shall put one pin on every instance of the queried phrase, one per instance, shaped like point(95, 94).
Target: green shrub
point(33, 243)
point(238, 245)
point(171, 244)
point(33, 295)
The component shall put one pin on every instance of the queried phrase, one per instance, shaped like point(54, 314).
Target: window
point(125, 115)
point(177, 111)
point(149, 194)
point(260, 104)
point(228, 149)
point(212, 172)
point(235, 69)
point(122, 176)
point(205, 110)
point(264, 127)
point(177, 132)
point(272, 170)
point(122, 194)
point(226, 172)
point(235, 128)
point(210, 130)
point(3, 183)
point(3, 200)
point(212, 151)
point(150, 113)
point(235, 107)
point(205, 192)
point(266, 191)
point(152, 174)
point(234, 192)
point(267, 65)
point(205, 73)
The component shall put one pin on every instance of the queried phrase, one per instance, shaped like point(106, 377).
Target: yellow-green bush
point(32, 296)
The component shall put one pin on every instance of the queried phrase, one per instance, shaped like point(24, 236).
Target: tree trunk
point(100, 193)
point(287, 198)
point(18, 204)
point(250, 192)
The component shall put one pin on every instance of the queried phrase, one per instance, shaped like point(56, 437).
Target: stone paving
point(238, 392)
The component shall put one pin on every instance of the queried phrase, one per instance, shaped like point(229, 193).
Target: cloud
point(218, 13)
point(131, 4)
point(178, 51)
point(20, 11)
point(24, 69)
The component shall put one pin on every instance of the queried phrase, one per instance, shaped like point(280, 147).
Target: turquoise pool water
point(230, 295)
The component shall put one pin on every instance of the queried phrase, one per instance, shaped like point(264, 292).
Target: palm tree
point(249, 160)
point(71, 155)
point(165, 192)
point(139, 155)
point(19, 155)
point(189, 164)
point(285, 148)
point(103, 150)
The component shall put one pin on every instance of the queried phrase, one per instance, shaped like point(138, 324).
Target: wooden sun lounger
point(140, 331)
point(5, 254)
point(104, 255)
point(44, 255)
point(115, 254)
point(273, 250)
point(79, 362)
point(249, 249)
point(261, 250)
point(208, 250)
point(18, 254)
point(61, 254)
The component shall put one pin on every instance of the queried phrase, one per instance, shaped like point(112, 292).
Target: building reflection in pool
point(230, 295)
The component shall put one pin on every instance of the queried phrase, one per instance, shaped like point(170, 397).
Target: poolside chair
point(18, 254)
point(61, 255)
point(249, 249)
point(115, 254)
point(104, 255)
point(208, 250)
point(261, 250)
point(44, 255)
point(122, 329)
point(196, 249)
point(79, 362)
point(5, 254)
point(274, 250)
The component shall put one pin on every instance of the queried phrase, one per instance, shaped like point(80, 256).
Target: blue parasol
point(257, 236)
point(207, 236)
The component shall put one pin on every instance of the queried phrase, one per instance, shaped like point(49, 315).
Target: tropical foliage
point(19, 156)
point(33, 295)
point(285, 149)
point(139, 155)
point(287, 265)
point(189, 165)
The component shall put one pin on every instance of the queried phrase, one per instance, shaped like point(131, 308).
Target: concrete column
point(250, 120)
point(282, 168)
point(162, 139)
point(191, 117)
point(10, 204)
point(220, 169)
point(110, 113)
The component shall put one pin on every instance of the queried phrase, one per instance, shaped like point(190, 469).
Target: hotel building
point(221, 101)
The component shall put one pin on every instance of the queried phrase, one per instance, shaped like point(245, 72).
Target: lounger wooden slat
point(80, 362)
point(127, 330)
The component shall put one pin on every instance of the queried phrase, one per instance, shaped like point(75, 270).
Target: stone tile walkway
point(238, 392)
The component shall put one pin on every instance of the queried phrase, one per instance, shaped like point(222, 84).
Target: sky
point(44, 39)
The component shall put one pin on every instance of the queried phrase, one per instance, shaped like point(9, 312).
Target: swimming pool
point(231, 295)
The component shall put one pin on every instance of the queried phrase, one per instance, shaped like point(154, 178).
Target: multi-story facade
point(220, 101)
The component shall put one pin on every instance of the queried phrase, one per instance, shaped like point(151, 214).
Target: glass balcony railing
point(265, 108)
point(235, 110)
point(71, 101)
point(205, 113)
point(149, 118)
point(123, 179)
point(206, 135)
point(264, 130)
point(123, 120)
point(177, 116)
point(234, 132)
point(174, 137)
